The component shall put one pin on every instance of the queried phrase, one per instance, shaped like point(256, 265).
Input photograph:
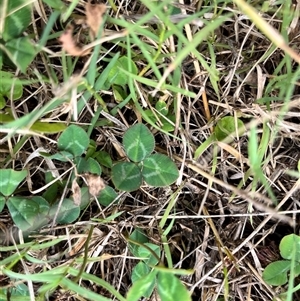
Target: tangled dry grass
point(221, 216)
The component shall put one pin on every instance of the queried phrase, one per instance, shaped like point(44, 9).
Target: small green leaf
point(226, 127)
point(139, 236)
point(2, 202)
point(43, 204)
point(162, 107)
point(147, 255)
point(18, 17)
point(126, 176)
point(29, 214)
point(90, 166)
point(68, 212)
point(73, 140)
point(119, 93)
point(6, 117)
point(103, 158)
point(149, 115)
point(10, 179)
point(276, 272)
point(139, 271)
point(21, 52)
point(168, 124)
point(170, 288)
point(107, 196)
point(138, 142)
point(288, 245)
point(10, 87)
point(117, 76)
point(159, 170)
point(51, 193)
point(143, 286)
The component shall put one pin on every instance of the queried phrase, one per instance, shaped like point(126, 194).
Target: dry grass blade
point(69, 44)
point(94, 13)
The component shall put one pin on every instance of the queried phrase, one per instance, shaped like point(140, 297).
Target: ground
point(217, 84)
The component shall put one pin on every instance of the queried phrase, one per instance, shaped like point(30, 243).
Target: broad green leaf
point(126, 176)
point(107, 196)
point(21, 52)
point(68, 212)
point(117, 76)
point(290, 244)
point(147, 256)
point(90, 165)
point(142, 286)
point(138, 235)
point(10, 87)
point(18, 17)
point(226, 127)
point(73, 140)
point(2, 202)
point(276, 272)
point(159, 170)
point(170, 288)
point(48, 127)
point(138, 142)
point(29, 214)
point(103, 158)
point(10, 179)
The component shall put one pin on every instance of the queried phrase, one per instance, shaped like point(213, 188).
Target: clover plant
point(278, 272)
point(19, 50)
point(155, 169)
point(72, 144)
point(150, 272)
point(31, 213)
